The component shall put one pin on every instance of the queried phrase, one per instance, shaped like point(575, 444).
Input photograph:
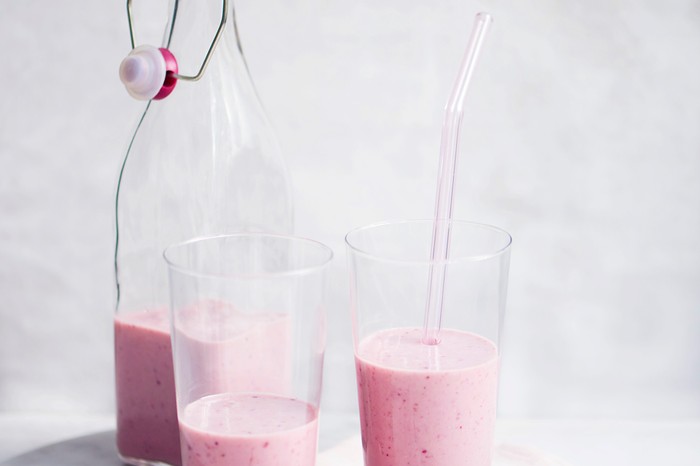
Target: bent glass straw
point(444, 202)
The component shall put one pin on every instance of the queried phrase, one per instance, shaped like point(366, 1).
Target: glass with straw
point(427, 302)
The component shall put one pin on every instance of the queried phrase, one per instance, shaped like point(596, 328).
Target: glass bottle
point(203, 161)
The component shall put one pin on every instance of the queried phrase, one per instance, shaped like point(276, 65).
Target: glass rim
point(450, 260)
point(299, 271)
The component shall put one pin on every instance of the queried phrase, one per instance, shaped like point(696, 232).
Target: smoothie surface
point(402, 349)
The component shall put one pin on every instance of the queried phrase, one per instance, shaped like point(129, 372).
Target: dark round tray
point(91, 450)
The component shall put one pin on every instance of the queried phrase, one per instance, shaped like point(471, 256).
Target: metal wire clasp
point(207, 58)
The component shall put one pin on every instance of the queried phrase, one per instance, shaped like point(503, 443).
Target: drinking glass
point(248, 337)
point(420, 403)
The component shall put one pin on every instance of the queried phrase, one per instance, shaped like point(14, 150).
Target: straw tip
point(431, 341)
point(484, 16)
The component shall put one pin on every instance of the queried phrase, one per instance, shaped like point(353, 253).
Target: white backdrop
point(581, 138)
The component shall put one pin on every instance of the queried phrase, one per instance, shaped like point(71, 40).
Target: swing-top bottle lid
point(151, 73)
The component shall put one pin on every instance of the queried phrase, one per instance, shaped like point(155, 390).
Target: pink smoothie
point(147, 426)
point(251, 430)
point(427, 405)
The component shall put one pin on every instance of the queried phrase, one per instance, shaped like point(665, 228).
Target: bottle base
point(139, 462)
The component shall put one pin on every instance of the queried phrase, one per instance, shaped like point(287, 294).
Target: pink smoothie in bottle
point(427, 404)
point(247, 429)
point(241, 354)
point(147, 426)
